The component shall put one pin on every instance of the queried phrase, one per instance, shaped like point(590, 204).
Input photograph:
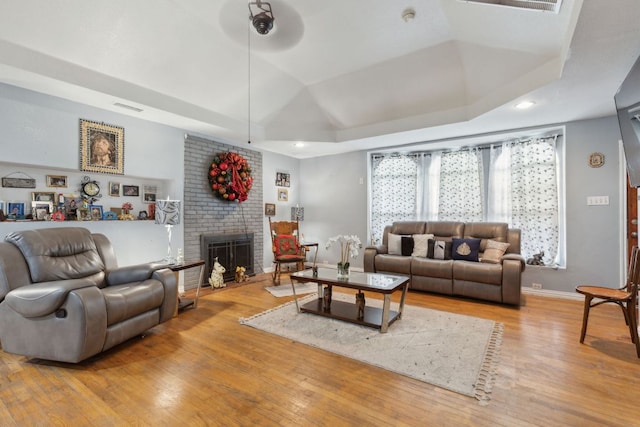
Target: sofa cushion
point(425, 267)
point(465, 249)
point(439, 249)
point(421, 244)
point(406, 245)
point(393, 264)
point(127, 301)
point(490, 274)
point(494, 251)
point(394, 244)
point(58, 253)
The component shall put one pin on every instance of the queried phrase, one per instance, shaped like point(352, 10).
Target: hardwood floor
point(204, 368)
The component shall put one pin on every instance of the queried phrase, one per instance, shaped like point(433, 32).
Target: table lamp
point(168, 213)
point(297, 213)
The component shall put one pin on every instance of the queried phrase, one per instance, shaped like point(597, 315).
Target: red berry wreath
point(230, 177)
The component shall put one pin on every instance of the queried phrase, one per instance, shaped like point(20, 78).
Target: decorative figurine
point(360, 301)
point(326, 298)
point(240, 275)
point(216, 280)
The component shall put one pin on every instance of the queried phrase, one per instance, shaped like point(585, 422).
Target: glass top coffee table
point(357, 311)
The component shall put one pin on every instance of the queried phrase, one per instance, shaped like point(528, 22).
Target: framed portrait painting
point(101, 147)
point(270, 209)
point(56, 181)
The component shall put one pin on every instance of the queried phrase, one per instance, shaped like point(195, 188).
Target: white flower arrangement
point(349, 247)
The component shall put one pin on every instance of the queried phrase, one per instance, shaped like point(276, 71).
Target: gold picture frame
point(270, 209)
point(101, 147)
point(283, 195)
point(57, 181)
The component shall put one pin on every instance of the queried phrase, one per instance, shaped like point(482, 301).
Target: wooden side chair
point(626, 297)
point(285, 245)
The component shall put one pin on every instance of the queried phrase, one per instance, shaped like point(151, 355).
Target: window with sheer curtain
point(521, 188)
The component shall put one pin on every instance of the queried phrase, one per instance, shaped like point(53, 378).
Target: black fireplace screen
point(232, 250)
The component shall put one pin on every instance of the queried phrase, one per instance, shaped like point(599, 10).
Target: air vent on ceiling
point(128, 107)
point(541, 5)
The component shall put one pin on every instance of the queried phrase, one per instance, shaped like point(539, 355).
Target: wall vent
point(540, 5)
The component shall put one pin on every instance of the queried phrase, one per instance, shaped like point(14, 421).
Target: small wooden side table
point(181, 304)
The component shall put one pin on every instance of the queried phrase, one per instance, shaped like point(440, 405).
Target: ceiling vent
point(541, 5)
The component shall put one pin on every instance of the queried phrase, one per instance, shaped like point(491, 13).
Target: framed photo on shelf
point(40, 210)
point(101, 147)
point(283, 179)
point(131, 190)
point(15, 209)
point(283, 195)
point(270, 209)
point(114, 189)
point(43, 196)
point(2, 207)
point(56, 181)
point(96, 212)
point(149, 193)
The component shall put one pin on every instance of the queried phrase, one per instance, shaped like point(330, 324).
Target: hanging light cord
point(249, 80)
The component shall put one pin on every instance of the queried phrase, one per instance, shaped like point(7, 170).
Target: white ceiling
point(339, 75)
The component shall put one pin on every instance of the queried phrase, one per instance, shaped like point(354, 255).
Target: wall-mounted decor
point(283, 179)
point(43, 196)
point(149, 193)
point(40, 210)
point(270, 209)
point(56, 181)
point(96, 212)
point(15, 182)
point(15, 210)
point(283, 195)
point(114, 189)
point(596, 160)
point(230, 177)
point(101, 147)
point(130, 190)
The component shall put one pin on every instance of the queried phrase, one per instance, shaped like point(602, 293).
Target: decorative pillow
point(406, 245)
point(394, 244)
point(439, 249)
point(494, 251)
point(465, 249)
point(286, 244)
point(421, 244)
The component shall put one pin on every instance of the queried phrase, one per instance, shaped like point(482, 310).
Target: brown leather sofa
point(63, 297)
point(498, 281)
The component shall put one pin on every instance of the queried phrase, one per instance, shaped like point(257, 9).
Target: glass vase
point(343, 270)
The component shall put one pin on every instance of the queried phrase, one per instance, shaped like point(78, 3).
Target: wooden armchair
point(626, 297)
point(285, 245)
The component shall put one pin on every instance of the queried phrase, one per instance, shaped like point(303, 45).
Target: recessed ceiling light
point(524, 105)
point(299, 144)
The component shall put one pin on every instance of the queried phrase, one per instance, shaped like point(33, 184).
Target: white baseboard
point(553, 294)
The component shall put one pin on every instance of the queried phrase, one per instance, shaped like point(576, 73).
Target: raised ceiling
point(338, 75)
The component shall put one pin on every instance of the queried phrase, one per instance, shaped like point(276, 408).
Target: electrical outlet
point(536, 285)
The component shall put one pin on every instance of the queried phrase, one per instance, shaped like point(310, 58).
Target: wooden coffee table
point(374, 317)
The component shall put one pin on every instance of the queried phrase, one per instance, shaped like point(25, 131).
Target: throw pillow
point(285, 244)
point(439, 249)
point(394, 244)
point(421, 244)
point(406, 245)
point(494, 251)
point(465, 249)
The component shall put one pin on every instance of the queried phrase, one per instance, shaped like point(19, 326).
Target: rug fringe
point(488, 371)
point(245, 320)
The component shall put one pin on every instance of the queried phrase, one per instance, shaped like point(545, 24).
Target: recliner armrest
point(132, 273)
point(41, 299)
point(515, 257)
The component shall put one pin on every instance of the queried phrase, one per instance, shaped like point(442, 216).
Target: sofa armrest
point(41, 299)
point(512, 268)
point(370, 253)
point(132, 273)
point(515, 257)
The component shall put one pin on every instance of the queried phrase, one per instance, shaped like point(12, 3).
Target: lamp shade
point(297, 213)
point(168, 212)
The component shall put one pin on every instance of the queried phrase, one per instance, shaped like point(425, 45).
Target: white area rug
point(452, 351)
point(284, 290)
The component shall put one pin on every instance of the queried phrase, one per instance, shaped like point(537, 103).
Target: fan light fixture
point(261, 16)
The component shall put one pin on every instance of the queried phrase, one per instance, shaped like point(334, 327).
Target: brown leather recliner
point(63, 297)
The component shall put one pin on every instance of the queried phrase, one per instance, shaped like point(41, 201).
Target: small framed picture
point(71, 205)
point(283, 179)
point(270, 209)
point(56, 181)
point(2, 206)
point(283, 195)
point(42, 196)
point(96, 212)
point(41, 210)
point(15, 210)
point(149, 193)
point(130, 190)
point(114, 189)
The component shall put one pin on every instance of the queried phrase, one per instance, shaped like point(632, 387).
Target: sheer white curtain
point(523, 191)
point(394, 191)
point(428, 186)
point(461, 191)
